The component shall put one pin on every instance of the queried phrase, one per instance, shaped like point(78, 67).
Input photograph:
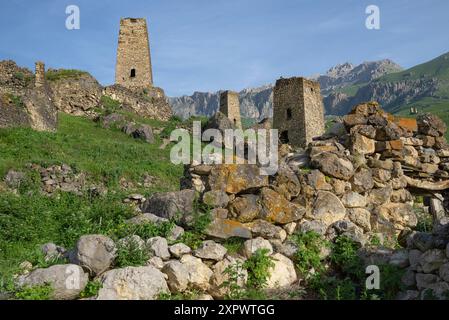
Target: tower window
point(284, 137)
point(311, 89)
point(133, 73)
point(289, 114)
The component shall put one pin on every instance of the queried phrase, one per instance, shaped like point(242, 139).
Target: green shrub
point(344, 256)
point(43, 292)
point(332, 288)
point(235, 274)
point(91, 289)
point(309, 246)
point(233, 245)
point(130, 254)
point(54, 75)
point(191, 239)
point(15, 100)
point(110, 105)
point(258, 267)
point(145, 230)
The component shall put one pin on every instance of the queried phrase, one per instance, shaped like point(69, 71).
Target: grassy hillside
point(29, 218)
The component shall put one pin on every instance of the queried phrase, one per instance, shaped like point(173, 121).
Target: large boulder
point(333, 165)
point(132, 283)
point(226, 228)
point(277, 209)
point(282, 274)
point(252, 245)
point(75, 92)
point(199, 273)
point(221, 276)
point(245, 208)
point(96, 253)
point(234, 178)
point(66, 280)
point(401, 215)
point(158, 247)
point(178, 276)
point(210, 250)
point(431, 125)
point(328, 208)
point(171, 204)
point(267, 230)
point(220, 122)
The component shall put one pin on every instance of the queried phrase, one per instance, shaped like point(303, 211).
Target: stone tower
point(133, 68)
point(230, 106)
point(298, 111)
point(39, 71)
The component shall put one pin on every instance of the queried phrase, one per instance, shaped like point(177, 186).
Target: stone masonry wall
point(133, 68)
point(298, 111)
point(230, 106)
point(39, 79)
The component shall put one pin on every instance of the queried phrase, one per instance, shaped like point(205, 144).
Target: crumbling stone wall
point(39, 80)
point(150, 103)
point(133, 68)
point(298, 111)
point(230, 106)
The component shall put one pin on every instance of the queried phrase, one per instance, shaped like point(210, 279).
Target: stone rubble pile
point(357, 180)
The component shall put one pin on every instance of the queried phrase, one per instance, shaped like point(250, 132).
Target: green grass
point(30, 219)
point(107, 155)
point(54, 75)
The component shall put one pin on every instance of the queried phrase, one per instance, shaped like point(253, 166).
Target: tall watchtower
point(133, 68)
point(39, 72)
point(230, 106)
point(298, 111)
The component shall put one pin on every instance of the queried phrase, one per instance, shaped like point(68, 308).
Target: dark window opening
point(289, 114)
point(235, 122)
point(133, 73)
point(284, 137)
point(311, 89)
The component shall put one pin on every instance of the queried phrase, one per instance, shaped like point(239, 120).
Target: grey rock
point(178, 276)
point(158, 246)
point(132, 283)
point(179, 249)
point(252, 245)
point(210, 250)
point(96, 253)
point(171, 204)
point(67, 280)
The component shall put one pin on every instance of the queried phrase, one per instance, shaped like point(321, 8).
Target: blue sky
point(207, 45)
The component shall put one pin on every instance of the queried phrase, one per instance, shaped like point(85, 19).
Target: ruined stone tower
point(230, 106)
point(39, 71)
point(133, 68)
point(298, 111)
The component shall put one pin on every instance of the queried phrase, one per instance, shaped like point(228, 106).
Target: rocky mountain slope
point(422, 86)
point(256, 103)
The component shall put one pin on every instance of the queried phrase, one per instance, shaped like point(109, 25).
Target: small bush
point(331, 288)
point(43, 292)
point(91, 289)
point(258, 267)
point(110, 105)
point(233, 245)
point(54, 75)
point(344, 256)
point(235, 274)
point(309, 246)
point(131, 254)
point(145, 230)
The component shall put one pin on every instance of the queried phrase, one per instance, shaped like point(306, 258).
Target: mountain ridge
point(256, 102)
